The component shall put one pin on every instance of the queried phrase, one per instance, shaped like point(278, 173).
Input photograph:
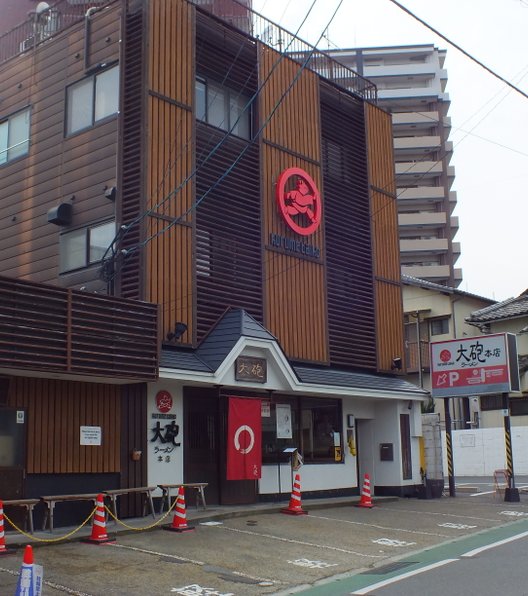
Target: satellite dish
point(42, 7)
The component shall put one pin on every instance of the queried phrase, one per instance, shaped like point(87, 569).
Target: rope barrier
point(155, 524)
point(58, 539)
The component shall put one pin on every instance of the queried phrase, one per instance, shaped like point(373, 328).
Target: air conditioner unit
point(27, 44)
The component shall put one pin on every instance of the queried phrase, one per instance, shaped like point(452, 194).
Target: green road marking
point(448, 550)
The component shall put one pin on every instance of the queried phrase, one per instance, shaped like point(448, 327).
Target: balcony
point(421, 247)
point(421, 194)
point(72, 333)
point(416, 144)
point(418, 169)
point(434, 273)
point(422, 220)
point(415, 120)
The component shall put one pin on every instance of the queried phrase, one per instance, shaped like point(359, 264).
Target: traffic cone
point(179, 521)
point(295, 508)
point(3, 547)
point(30, 578)
point(365, 500)
point(99, 535)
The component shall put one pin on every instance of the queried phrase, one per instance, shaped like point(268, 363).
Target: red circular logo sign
point(445, 355)
point(163, 401)
point(299, 201)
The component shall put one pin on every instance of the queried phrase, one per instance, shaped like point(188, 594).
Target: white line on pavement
point(438, 513)
point(481, 549)
point(398, 578)
point(344, 521)
point(325, 546)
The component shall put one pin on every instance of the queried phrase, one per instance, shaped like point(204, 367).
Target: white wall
point(481, 451)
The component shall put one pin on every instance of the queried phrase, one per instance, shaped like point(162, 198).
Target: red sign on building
point(299, 201)
point(474, 366)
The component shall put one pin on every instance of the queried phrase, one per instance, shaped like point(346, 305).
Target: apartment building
point(411, 82)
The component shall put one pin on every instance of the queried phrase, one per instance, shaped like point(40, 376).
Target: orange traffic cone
point(99, 535)
point(179, 521)
point(3, 547)
point(295, 508)
point(365, 500)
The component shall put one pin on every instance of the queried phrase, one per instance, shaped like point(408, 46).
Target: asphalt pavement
point(253, 550)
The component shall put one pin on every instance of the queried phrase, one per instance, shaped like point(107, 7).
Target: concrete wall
point(482, 451)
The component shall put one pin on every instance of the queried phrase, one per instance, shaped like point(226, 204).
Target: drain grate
point(384, 569)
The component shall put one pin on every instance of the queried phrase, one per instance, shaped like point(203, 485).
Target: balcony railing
point(43, 25)
point(55, 330)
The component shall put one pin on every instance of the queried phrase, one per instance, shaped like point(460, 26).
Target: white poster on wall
point(284, 421)
point(91, 435)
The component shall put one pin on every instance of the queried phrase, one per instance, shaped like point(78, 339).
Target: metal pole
point(511, 494)
point(449, 446)
point(419, 346)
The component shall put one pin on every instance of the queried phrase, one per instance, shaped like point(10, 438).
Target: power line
point(460, 49)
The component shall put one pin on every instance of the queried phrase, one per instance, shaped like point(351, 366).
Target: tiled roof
point(508, 309)
point(342, 378)
point(182, 360)
point(424, 283)
point(234, 324)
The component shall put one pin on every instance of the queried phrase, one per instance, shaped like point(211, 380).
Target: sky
point(491, 162)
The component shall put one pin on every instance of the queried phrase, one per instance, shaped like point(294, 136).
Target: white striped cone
point(179, 521)
point(295, 508)
point(365, 500)
point(4, 550)
point(99, 534)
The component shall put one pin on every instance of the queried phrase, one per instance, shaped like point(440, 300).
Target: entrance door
point(201, 444)
point(12, 452)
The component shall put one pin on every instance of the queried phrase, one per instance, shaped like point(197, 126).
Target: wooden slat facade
point(169, 279)
point(386, 250)
point(55, 411)
point(295, 295)
point(72, 332)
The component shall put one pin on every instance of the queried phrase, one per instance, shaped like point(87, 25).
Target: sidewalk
point(193, 515)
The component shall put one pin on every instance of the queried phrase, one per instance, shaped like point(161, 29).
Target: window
point(14, 136)
point(316, 429)
point(92, 100)
point(490, 402)
point(439, 326)
point(519, 406)
point(83, 247)
point(223, 107)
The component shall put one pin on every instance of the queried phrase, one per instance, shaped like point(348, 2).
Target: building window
point(316, 429)
point(92, 99)
point(14, 136)
point(519, 406)
point(490, 402)
point(439, 326)
point(223, 107)
point(83, 247)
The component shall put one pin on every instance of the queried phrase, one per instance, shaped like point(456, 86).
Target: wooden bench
point(28, 505)
point(144, 490)
point(51, 500)
point(197, 486)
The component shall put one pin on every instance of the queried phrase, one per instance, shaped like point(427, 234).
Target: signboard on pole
point(474, 366)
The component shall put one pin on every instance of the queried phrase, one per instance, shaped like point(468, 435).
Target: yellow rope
point(58, 539)
point(156, 523)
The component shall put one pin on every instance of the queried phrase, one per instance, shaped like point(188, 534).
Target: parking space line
point(291, 541)
point(344, 521)
point(440, 514)
point(50, 584)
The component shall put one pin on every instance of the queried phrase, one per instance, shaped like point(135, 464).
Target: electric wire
point(459, 48)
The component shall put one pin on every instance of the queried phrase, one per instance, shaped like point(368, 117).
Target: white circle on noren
point(240, 430)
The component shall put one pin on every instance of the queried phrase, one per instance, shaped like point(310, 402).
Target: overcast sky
point(491, 162)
